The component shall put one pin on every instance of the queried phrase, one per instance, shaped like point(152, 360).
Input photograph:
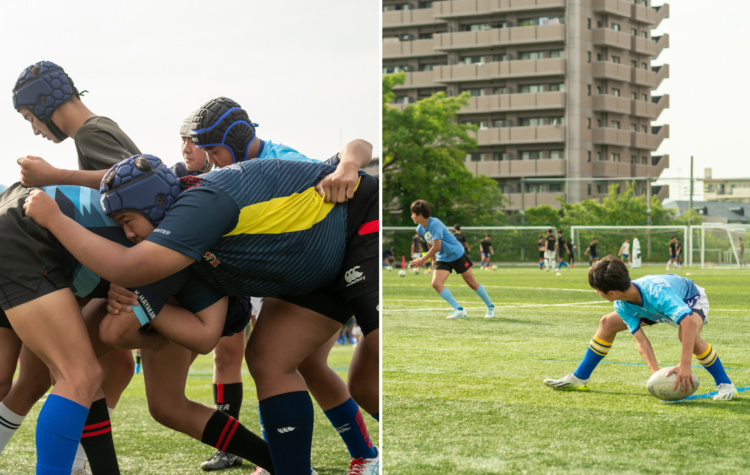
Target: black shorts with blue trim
point(355, 291)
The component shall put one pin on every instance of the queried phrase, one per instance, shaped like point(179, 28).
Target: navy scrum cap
point(222, 121)
point(42, 88)
point(141, 183)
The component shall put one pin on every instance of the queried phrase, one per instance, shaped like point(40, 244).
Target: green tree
point(424, 147)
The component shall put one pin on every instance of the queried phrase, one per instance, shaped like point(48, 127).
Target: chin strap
point(59, 134)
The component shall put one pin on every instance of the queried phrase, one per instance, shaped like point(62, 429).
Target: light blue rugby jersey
point(664, 299)
point(450, 248)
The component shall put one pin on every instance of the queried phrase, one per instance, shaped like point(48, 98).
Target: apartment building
point(561, 90)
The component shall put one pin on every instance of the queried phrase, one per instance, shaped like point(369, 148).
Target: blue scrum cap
point(42, 88)
point(222, 121)
point(141, 183)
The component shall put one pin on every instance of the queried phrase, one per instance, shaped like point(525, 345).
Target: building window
point(500, 90)
point(499, 156)
point(644, 66)
point(557, 53)
point(401, 100)
point(588, 23)
point(616, 92)
point(615, 27)
point(531, 55)
point(644, 97)
point(556, 154)
point(530, 88)
point(599, 123)
point(615, 157)
point(530, 155)
point(556, 121)
point(589, 155)
point(598, 56)
point(633, 128)
point(500, 57)
point(589, 89)
point(615, 124)
point(644, 34)
point(616, 59)
point(644, 160)
point(598, 89)
point(588, 126)
point(634, 96)
point(474, 92)
point(633, 159)
point(557, 87)
point(589, 57)
point(633, 63)
point(473, 60)
point(633, 32)
point(530, 121)
point(426, 67)
point(588, 189)
point(644, 129)
point(499, 123)
point(598, 156)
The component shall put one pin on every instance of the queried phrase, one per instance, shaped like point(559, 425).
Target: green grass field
point(466, 396)
point(145, 447)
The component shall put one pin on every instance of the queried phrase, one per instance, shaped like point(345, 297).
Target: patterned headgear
point(145, 186)
point(222, 121)
point(42, 88)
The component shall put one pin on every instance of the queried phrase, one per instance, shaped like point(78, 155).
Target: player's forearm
point(356, 153)
point(87, 178)
point(646, 351)
point(107, 259)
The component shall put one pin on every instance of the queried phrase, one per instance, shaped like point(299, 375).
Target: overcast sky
point(307, 72)
point(707, 88)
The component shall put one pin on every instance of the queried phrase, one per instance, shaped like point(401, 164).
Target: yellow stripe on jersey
point(286, 214)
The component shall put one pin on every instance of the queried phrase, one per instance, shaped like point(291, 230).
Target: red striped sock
point(97, 440)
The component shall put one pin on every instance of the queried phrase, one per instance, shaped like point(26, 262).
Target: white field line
point(506, 287)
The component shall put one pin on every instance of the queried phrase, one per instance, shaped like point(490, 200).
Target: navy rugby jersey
point(259, 228)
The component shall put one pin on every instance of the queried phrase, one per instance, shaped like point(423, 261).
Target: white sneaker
point(726, 391)
point(490, 312)
point(457, 314)
point(362, 466)
point(569, 382)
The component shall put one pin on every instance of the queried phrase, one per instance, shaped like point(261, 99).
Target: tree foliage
point(424, 147)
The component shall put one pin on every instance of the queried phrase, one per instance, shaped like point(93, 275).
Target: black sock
point(228, 398)
point(97, 440)
point(228, 435)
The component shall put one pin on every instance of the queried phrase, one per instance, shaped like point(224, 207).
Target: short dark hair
point(457, 227)
point(559, 232)
point(610, 273)
point(421, 207)
point(549, 230)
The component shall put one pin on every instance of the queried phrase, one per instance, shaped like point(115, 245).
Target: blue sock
point(262, 427)
point(596, 351)
point(347, 419)
point(58, 432)
point(710, 360)
point(563, 263)
point(448, 297)
point(483, 295)
point(288, 419)
point(376, 416)
point(541, 264)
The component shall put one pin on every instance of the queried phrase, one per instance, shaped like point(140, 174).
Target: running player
point(450, 255)
point(648, 300)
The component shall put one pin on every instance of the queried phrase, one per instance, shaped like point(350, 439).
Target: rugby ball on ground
point(660, 386)
point(402, 273)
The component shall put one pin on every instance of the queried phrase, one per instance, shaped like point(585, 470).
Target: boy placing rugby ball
point(648, 300)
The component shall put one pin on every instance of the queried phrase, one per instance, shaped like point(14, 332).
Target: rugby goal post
point(610, 238)
point(719, 244)
point(512, 244)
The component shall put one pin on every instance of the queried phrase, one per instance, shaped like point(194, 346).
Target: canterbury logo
point(343, 428)
point(285, 430)
point(353, 275)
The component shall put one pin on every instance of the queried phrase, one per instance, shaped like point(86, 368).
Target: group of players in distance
point(648, 300)
point(127, 219)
